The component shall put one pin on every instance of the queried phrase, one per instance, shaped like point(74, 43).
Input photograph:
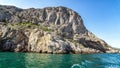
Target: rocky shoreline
point(54, 30)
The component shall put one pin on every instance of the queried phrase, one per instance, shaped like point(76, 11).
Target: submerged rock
point(47, 30)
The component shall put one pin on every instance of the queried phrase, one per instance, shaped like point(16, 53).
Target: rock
point(48, 30)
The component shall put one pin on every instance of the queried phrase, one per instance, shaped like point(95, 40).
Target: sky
point(101, 17)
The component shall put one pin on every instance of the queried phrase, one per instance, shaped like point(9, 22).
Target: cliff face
point(47, 30)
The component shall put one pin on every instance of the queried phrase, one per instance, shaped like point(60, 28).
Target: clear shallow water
point(36, 60)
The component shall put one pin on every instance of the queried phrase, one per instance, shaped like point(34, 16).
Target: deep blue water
point(36, 60)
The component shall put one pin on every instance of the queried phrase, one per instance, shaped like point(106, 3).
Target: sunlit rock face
point(47, 30)
point(63, 16)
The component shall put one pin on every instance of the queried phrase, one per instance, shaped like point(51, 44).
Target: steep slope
point(47, 30)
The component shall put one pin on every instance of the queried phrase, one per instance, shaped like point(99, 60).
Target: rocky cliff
point(47, 30)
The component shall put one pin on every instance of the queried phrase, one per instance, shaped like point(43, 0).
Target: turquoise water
point(36, 60)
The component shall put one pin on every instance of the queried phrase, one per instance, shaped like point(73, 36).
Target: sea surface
point(36, 60)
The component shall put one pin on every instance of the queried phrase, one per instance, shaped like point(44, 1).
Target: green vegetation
point(24, 25)
point(45, 28)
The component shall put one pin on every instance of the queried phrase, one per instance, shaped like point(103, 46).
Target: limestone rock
point(47, 30)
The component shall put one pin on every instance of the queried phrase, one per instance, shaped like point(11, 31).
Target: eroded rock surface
point(54, 30)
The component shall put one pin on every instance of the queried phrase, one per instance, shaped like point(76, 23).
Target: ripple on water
point(35, 60)
point(112, 66)
point(77, 66)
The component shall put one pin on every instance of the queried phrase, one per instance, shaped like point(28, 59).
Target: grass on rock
point(23, 25)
